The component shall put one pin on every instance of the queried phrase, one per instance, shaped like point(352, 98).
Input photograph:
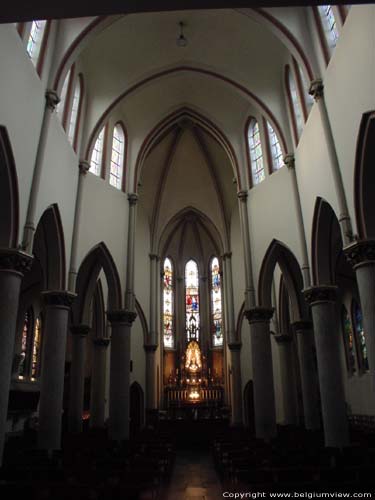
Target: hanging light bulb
point(181, 40)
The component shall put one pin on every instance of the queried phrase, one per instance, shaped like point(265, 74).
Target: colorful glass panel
point(216, 304)
point(22, 370)
point(276, 153)
point(256, 153)
point(97, 154)
point(329, 24)
point(348, 338)
point(192, 300)
point(36, 349)
point(361, 339)
point(117, 158)
point(34, 41)
point(168, 303)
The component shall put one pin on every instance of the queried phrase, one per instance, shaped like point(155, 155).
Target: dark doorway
point(249, 406)
point(136, 408)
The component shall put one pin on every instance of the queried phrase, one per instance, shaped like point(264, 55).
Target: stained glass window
point(168, 303)
point(61, 105)
point(360, 336)
point(117, 157)
point(348, 340)
point(329, 24)
point(297, 108)
point(97, 154)
point(35, 355)
point(216, 304)
point(25, 340)
point(276, 153)
point(74, 111)
point(192, 300)
point(256, 153)
point(34, 41)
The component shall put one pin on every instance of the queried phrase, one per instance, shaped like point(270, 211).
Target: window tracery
point(329, 24)
point(168, 304)
point(117, 157)
point(275, 148)
point(73, 122)
point(216, 304)
point(97, 155)
point(360, 337)
point(348, 340)
point(256, 153)
point(34, 41)
point(192, 301)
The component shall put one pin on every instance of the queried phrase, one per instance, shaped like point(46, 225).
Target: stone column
point(317, 91)
point(151, 403)
point(52, 100)
point(288, 382)
point(84, 167)
point(236, 393)
point(121, 323)
point(323, 303)
point(264, 392)
point(98, 383)
point(245, 231)
point(77, 376)
point(13, 265)
point(154, 283)
point(361, 256)
point(309, 374)
point(57, 307)
point(290, 163)
point(129, 293)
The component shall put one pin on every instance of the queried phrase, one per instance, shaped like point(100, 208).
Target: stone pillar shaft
point(236, 386)
point(264, 393)
point(77, 376)
point(288, 383)
point(245, 231)
point(326, 327)
point(84, 167)
point(52, 100)
point(13, 264)
point(129, 293)
point(317, 91)
point(309, 374)
point(98, 383)
point(57, 306)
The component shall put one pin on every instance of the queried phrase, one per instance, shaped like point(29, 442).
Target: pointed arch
point(9, 200)
point(364, 177)
point(49, 248)
point(98, 311)
point(278, 253)
point(142, 317)
point(98, 258)
point(326, 243)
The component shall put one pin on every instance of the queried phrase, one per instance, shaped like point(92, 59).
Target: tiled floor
point(193, 478)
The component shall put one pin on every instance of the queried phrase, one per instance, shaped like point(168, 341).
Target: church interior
point(187, 250)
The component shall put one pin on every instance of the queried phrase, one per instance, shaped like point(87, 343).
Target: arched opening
point(248, 396)
point(136, 413)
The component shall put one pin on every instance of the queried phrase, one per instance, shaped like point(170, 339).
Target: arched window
point(30, 347)
point(360, 337)
point(348, 340)
point(168, 304)
point(75, 111)
point(60, 109)
point(256, 153)
point(308, 98)
point(35, 40)
point(275, 148)
point(117, 157)
point(36, 349)
point(329, 25)
point(97, 154)
point(294, 104)
point(192, 301)
point(216, 304)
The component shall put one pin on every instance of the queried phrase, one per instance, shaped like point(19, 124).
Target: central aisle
point(193, 477)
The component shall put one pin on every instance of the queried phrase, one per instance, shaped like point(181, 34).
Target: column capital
point(84, 167)
point(132, 198)
point(302, 326)
point(259, 314)
point(101, 342)
point(150, 347)
point(242, 195)
point(121, 316)
point(316, 89)
point(234, 346)
point(289, 161)
point(360, 253)
point(12, 259)
point(52, 99)
point(154, 256)
point(80, 330)
point(283, 339)
point(227, 255)
point(61, 298)
point(317, 294)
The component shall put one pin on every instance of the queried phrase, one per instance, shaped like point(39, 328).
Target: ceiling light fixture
point(181, 40)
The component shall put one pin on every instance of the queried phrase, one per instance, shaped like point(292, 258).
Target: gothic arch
point(49, 249)
point(142, 317)
point(280, 254)
point(99, 258)
point(9, 201)
point(98, 312)
point(326, 243)
point(364, 177)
